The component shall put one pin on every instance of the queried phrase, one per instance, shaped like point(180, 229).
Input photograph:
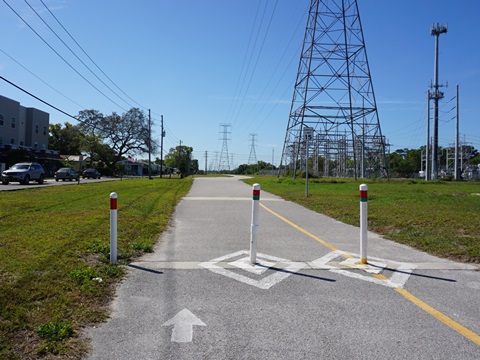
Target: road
point(198, 297)
point(50, 182)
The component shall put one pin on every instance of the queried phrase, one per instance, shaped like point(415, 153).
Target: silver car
point(24, 173)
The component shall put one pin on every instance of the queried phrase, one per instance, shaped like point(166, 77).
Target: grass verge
point(437, 217)
point(55, 276)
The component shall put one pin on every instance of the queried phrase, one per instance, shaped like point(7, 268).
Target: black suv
point(23, 173)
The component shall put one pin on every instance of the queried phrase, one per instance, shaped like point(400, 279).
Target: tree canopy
point(67, 140)
point(111, 137)
point(180, 157)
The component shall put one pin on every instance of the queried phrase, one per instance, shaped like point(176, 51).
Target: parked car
point(66, 174)
point(23, 173)
point(91, 173)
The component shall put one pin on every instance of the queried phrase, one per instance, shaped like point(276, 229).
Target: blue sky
point(195, 63)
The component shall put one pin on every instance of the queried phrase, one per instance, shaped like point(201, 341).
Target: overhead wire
point(61, 57)
point(70, 65)
point(243, 62)
point(250, 116)
point(39, 99)
point(256, 61)
point(88, 56)
point(74, 54)
point(252, 73)
point(50, 86)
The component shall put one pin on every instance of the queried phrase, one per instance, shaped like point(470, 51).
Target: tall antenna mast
point(436, 94)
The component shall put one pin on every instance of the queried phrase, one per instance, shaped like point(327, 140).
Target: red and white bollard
point(254, 227)
point(113, 228)
point(363, 223)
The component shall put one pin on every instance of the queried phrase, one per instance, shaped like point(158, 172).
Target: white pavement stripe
point(358, 276)
point(321, 263)
point(262, 263)
point(401, 274)
point(222, 198)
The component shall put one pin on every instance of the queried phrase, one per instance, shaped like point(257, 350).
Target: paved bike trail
point(198, 297)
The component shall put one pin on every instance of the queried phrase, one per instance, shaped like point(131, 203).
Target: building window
point(44, 130)
point(35, 145)
point(1, 119)
point(12, 141)
point(21, 143)
point(13, 122)
point(36, 129)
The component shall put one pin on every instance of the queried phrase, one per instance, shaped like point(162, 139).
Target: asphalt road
point(198, 297)
point(50, 182)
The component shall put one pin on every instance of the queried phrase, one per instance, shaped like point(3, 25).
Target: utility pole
point(161, 150)
point(273, 158)
point(206, 160)
point(427, 147)
point(457, 134)
point(179, 155)
point(149, 145)
point(436, 30)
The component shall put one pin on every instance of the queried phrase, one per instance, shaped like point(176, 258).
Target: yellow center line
point(470, 335)
point(323, 242)
point(440, 316)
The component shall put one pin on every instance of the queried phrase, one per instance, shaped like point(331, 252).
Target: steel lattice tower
point(252, 158)
point(223, 163)
point(333, 117)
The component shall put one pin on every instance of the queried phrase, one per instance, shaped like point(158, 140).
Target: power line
point(61, 57)
point(73, 52)
point(86, 54)
point(256, 61)
point(41, 100)
point(50, 86)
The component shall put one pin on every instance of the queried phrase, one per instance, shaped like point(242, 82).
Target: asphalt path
point(198, 297)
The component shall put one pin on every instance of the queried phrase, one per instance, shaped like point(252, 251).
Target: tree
point(126, 134)
point(66, 140)
point(405, 162)
point(180, 157)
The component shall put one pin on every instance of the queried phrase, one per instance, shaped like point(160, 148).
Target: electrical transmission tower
point(252, 158)
point(223, 163)
point(333, 116)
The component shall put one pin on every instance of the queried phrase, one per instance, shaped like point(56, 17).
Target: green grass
point(439, 217)
point(55, 275)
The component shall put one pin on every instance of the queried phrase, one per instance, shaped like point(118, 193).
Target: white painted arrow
point(183, 326)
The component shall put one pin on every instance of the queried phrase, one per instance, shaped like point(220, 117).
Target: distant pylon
point(333, 100)
point(252, 158)
point(223, 163)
